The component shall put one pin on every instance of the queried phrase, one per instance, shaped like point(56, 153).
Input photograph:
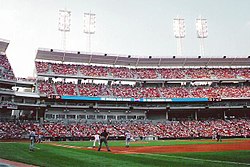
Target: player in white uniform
point(32, 139)
point(97, 139)
point(127, 138)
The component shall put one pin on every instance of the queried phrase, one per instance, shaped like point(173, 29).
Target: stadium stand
point(6, 71)
point(146, 92)
point(45, 87)
point(64, 69)
point(42, 67)
point(142, 73)
point(138, 129)
point(87, 89)
point(121, 72)
point(136, 92)
point(65, 88)
point(226, 91)
point(94, 71)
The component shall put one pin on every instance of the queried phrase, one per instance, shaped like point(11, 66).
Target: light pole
point(89, 26)
point(202, 33)
point(64, 26)
point(179, 33)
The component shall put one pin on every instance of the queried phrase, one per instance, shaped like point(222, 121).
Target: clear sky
point(135, 27)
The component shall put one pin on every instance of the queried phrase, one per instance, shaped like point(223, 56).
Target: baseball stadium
point(147, 110)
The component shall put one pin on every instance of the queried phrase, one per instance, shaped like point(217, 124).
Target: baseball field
point(229, 152)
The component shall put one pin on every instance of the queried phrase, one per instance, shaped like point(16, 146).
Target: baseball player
point(32, 139)
point(97, 139)
point(218, 137)
point(40, 137)
point(103, 138)
point(127, 138)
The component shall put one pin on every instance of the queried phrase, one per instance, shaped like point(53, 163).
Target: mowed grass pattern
point(48, 155)
point(152, 143)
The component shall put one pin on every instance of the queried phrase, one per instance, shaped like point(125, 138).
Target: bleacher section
point(101, 88)
point(6, 71)
point(145, 92)
point(138, 129)
point(143, 73)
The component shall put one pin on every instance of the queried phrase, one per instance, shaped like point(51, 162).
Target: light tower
point(179, 33)
point(202, 33)
point(64, 26)
point(89, 27)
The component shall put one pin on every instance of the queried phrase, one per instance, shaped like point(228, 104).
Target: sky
point(128, 27)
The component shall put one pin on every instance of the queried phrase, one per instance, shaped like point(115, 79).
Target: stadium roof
point(138, 61)
point(3, 45)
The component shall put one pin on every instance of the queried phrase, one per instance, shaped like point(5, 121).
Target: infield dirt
point(229, 146)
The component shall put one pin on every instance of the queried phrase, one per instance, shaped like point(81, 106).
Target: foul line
point(169, 156)
point(196, 159)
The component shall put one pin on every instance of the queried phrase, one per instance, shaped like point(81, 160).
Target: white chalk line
point(178, 157)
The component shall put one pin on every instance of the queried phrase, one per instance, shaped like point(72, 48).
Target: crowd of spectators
point(206, 92)
point(244, 73)
point(88, 89)
point(94, 71)
point(172, 73)
point(65, 88)
point(144, 73)
point(121, 72)
point(133, 91)
point(45, 87)
point(138, 129)
point(221, 73)
point(64, 69)
point(201, 73)
point(42, 67)
point(118, 90)
point(235, 92)
point(6, 71)
point(208, 128)
point(10, 130)
point(175, 92)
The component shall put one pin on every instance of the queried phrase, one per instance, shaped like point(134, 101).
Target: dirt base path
point(184, 148)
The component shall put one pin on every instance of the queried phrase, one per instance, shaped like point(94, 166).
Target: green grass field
point(48, 155)
point(151, 143)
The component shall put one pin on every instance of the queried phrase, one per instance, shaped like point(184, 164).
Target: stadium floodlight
point(202, 33)
point(179, 28)
point(64, 20)
point(64, 26)
point(89, 26)
point(179, 32)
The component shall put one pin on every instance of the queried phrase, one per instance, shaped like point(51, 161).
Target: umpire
point(103, 138)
